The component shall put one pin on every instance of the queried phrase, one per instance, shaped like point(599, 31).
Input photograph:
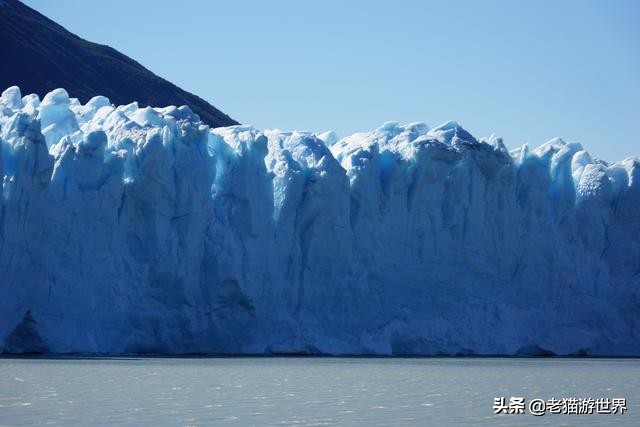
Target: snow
point(128, 229)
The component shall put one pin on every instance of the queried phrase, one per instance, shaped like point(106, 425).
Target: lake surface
point(305, 391)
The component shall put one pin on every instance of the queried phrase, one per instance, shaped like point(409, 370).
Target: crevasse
point(141, 230)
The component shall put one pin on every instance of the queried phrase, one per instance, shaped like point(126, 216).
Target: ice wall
point(140, 230)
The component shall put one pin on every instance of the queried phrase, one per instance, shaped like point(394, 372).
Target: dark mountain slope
point(40, 55)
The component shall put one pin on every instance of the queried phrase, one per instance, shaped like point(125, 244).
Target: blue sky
point(524, 70)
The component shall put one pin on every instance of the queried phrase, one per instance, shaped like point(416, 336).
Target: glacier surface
point(141, 230)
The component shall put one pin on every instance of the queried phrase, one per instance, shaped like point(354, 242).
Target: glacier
point(129, 230)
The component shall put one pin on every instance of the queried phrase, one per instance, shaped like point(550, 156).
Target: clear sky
point(524, 70)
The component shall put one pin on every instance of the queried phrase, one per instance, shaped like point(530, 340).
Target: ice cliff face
point(126, 229)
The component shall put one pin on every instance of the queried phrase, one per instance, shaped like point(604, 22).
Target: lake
point(311, 391)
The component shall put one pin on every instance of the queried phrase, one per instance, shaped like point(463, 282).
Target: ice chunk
point(56, 118)
point(12, 98)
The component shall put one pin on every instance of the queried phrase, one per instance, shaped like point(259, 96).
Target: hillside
point(40, 55)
